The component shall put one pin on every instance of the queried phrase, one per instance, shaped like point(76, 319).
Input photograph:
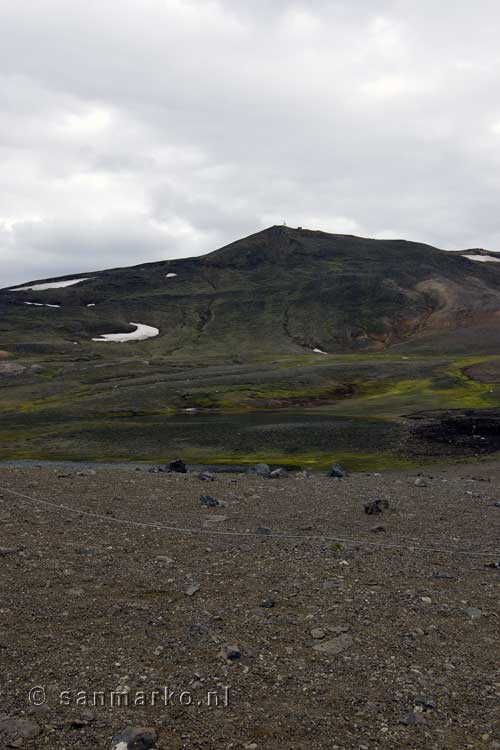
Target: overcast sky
point(134, 130)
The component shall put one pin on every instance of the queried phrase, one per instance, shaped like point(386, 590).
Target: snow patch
point(141, 333)
point(170, 275)
point(482, 258)
point(40, 304)
point(48, 285)
point(91, 304)
point(319, 351)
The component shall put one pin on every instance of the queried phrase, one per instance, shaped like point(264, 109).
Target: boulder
point(206, 476)
point(337, 471)
point(230, 652)
point(4, 551)
point(372, 507)
point(208, 501)
point(178, 466)
point(134, 738)
point(335, 645)
point(278, 474)
point(261, 470)
point(263, 531)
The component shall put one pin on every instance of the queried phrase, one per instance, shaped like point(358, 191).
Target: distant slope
point(279, 291)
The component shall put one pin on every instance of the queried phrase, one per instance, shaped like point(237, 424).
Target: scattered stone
point(427, 703)
point(77, 591)
point(86, 717)
point(318, 633)
point(278, 474)
point(331, 583)
point(412, 719)
point(164, 559)
point(208, 501)
point(420, 482)
point(474, 613)
point(372, 507)
point(496, 504)
point(214, 519)
point(13, 368)
point(134, 738)
point(230, 652)
point(334, 646)
point(268, 603)
point(4, 551)
point(379, 530)
point(494, 565)
point(89, 551)
point(263, 530)
point(426, 599)
point(261, 470)
point(337, 471)
point(340, 629)
point(86, 473)
point(177, 466)
point(206, 476)
point(191, 590)
point(23, 728)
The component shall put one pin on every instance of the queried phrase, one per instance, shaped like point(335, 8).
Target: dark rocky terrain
point(407, 329)
point(279, 291)
point(330, 628)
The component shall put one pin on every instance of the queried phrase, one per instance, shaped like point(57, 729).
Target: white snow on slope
point(48, 285)
point(482, 258)
point(141, 333)
point(170, 275)
point(40, 304)
point(91, 304)
point(319, 351)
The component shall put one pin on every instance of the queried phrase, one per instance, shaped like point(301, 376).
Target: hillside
point(226, 363)
point(279, 291)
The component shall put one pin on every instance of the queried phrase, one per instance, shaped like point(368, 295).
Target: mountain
point(279, 291)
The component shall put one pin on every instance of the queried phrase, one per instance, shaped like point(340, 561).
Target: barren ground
point(91, 605)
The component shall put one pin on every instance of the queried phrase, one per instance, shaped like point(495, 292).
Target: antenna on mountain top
point(284, 222)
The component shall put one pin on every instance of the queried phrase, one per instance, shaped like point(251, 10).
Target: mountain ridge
point(278, 290)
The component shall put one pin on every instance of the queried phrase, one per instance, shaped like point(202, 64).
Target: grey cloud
point(133, 131)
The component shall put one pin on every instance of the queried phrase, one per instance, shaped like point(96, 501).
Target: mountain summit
point(281, 290)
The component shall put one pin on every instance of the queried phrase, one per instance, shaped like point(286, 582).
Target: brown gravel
point(321, 644)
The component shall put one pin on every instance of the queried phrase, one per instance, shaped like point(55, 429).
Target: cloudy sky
point(135, 130)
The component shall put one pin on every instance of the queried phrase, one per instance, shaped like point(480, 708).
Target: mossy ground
point(295, 411)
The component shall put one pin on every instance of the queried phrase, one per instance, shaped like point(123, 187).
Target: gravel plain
point(284, 617)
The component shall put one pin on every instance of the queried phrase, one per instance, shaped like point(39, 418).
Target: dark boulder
point(209, 502)
point(278, 474)
point(206, 476)
point(178, 466)
point(134, 738)
point(372, 507)
point(337, 471)
point(261, 470)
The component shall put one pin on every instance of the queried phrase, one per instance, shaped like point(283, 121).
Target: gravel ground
point(303, 641)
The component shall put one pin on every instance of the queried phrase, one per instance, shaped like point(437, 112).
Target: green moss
point(448, 388)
